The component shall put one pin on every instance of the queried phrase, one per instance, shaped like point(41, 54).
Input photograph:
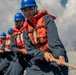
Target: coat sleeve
point(3, 46)
point(55, 45)
point(33, 51)
point(13, 46)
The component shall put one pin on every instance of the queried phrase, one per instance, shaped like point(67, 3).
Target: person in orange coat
point(2, 40)
point(17, 46)
point(44, 43)
point(9, 56)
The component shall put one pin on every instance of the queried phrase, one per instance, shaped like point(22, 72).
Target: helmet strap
point(21, 23)
point(36, 11)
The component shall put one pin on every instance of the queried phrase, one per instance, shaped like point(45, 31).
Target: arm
point(55, 45)
point(2, 48)
point(31, 50)
point(13, 46)
point(15, 49)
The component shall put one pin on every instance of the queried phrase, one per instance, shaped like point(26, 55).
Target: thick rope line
point(66, 64)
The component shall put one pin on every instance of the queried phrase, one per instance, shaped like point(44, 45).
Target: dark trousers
point(19, 66)
point(43, 68)
point(5, 64)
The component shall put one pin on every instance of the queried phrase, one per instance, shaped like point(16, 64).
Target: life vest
point(18, 37)
point(7, 42)
point(38, 33)
point(1, 43)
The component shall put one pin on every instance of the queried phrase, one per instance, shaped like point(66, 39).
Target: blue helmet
point(18, 16)
point(3, 35)
point(10, 31)
point(27, 3)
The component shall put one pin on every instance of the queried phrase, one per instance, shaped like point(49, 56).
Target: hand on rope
point(7, 50)
point(23, 51)
point(64, 63)
point(61, 61)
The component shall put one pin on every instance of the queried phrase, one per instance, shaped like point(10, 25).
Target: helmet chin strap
point(36, 11)
point(21, 24)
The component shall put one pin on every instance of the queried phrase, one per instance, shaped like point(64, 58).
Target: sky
point(64, 2)
point(64, 10)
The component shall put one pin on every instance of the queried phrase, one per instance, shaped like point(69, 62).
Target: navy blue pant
point(10, 68)
point(43, 68)
point(5, 64)
point(19, 66)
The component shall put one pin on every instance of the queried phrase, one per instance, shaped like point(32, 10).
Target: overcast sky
point(65, 10)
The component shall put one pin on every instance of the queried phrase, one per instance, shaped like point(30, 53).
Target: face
point(3, 38)
point(10, 35)
point(29, 12)
point(18, 24)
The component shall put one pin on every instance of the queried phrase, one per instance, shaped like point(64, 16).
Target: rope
point(66, 64)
